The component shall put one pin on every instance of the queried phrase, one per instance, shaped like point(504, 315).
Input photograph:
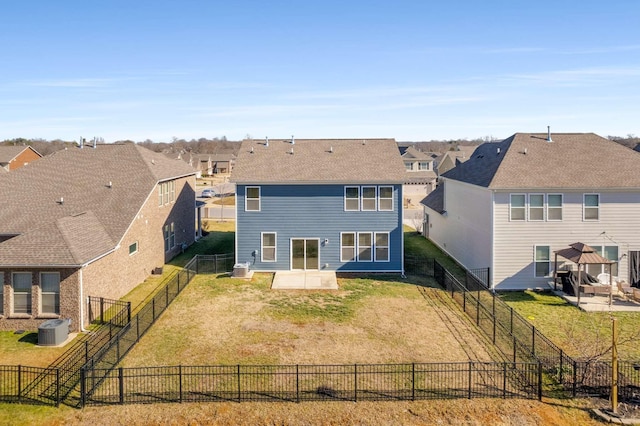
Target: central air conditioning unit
point(53, 332)
point(241, 270)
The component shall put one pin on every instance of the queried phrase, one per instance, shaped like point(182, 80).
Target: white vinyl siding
point(608, 252)
point(518, 208)
point(269, 247)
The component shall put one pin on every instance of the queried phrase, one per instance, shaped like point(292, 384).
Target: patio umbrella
point(582, 254)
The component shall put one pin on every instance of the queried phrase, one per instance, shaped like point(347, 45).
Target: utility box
point(241, 270)
point(53, 332)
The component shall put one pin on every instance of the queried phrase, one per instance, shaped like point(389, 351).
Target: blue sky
point(412, 70)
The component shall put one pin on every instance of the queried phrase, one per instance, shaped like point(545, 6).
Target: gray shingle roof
point(319, 161)
point(571, 160)
point(93, 217)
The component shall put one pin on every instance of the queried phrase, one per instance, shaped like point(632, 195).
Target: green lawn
point(580, 334)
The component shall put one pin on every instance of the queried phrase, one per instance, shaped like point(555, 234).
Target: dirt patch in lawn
point(223, 321)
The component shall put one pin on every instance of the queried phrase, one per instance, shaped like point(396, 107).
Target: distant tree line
point(221, 144)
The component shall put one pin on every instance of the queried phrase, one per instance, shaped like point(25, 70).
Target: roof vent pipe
point(293, 141)
point(61, 201)
point(549, 134)
point(291, 151)
point(331, 149)
point(498, 151)
point(266, 141)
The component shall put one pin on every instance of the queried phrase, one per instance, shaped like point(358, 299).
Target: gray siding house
point(516, 202)
point(332, 205)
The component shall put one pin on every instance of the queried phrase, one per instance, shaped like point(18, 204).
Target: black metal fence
point(519, 341)
point(102, 311)
point(22, 384)
point(296, 383)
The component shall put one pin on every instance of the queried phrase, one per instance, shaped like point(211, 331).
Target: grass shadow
point(29, 338)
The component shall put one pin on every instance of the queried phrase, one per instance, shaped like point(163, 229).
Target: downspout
point(401, 202)
point(82, 329)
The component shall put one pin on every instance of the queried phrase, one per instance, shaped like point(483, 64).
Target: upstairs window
point(536, 207)
point(517, 207)
point(50, 295)
point(368, 198)
point(591, 207)
point(423, 166)
point(408, 165)
point(385, 198)
point(352, 198)
point(172, 191)
point(252, 200)
point(554, 207)
point(22, 282)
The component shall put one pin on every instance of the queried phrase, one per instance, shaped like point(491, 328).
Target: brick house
point(88, 222)
point(13, 157)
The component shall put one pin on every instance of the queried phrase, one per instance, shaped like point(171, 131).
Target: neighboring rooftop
point(570, 160)
point(319, 161)
point(78, 203)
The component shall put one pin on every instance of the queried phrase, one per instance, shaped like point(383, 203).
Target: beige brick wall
point(117, 273)
point(69, 300)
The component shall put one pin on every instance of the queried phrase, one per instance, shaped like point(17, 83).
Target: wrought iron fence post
point(179, 283)
point(413, 381)
point(166, 295)
point(83, 387)
point(153, 309)
point(180, 380)
point(121, 385)
point(19, 382)
point(504, 380)
point(57, 387)
point(561, 367)
point(514, 348)
point(539, 381)
point(86, 351)
point(464, 300)
point(128, 312)
point(102, 310)
point(297, 384)
point(355, 382)
point(511, 321)
point(470, 380)
point(239, 398)
point(533, 341)
point(575, 378)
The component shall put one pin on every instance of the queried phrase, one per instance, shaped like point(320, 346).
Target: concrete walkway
point(304, 280)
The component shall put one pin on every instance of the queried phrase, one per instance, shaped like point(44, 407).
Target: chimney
point(549, 134)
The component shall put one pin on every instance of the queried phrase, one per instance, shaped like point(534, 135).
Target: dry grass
point(219, 320)
point(477, 412)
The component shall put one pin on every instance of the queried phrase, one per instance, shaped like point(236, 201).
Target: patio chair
point(604, 278)
point(625, 289)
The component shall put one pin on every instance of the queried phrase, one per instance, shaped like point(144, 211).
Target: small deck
point(304, 280)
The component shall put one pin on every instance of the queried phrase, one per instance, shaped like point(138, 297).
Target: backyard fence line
point(16, 385)
point(299, 383)
point(519, 341)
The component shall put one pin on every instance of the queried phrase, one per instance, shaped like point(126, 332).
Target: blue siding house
point(328, 205)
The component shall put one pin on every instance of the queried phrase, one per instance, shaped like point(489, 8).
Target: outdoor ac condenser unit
point(53, 332)
point(240, 270)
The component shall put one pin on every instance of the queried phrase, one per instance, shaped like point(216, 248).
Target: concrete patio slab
point(598, 303)
point(304, 280)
